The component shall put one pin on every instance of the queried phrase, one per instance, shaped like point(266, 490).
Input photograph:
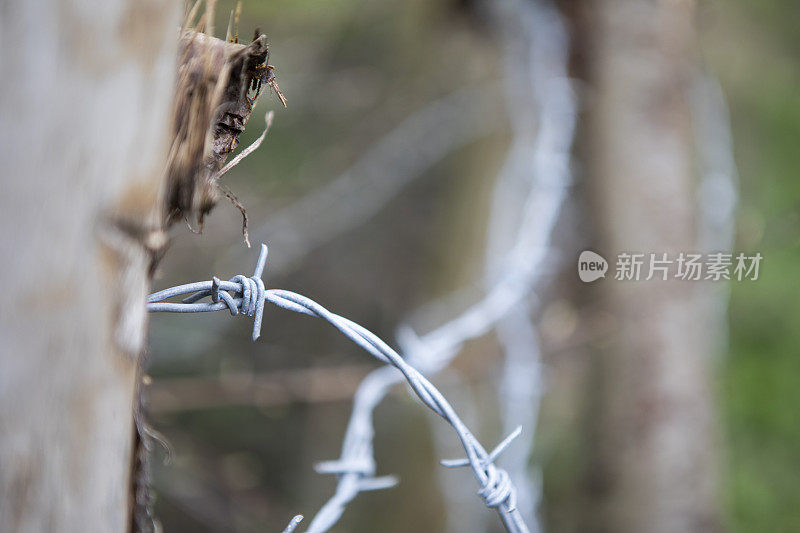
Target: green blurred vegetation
point(754, 46)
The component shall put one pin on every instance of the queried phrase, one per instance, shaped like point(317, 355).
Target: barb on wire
point(430, 353)
point(248, 295)
point(293, 524)
point(249, 303)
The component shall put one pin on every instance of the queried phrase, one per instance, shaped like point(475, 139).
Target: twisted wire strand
point(248, 298)
point(430, 352)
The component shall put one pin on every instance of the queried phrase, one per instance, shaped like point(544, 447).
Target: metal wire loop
point(249, 296)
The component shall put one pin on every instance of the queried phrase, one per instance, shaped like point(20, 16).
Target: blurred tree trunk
point(84, 107)
point(656, 467)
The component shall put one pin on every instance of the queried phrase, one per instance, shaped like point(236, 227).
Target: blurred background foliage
point(351, 71)
point(754, 48)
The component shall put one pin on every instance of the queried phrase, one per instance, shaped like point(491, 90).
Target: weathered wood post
point(85, 107)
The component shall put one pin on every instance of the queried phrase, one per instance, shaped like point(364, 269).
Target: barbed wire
point(430, 353)
point(542, 152)
point(535, 179)
point(246, 296)
point(537, 51)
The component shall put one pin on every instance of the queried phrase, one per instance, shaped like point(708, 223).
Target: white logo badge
point(591, 266)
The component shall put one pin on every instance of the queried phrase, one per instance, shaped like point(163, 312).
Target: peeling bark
point(219, 83)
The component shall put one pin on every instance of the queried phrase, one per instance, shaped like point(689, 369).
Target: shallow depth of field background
point(352, 70)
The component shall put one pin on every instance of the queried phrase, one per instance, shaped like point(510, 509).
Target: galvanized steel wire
point(247, 296)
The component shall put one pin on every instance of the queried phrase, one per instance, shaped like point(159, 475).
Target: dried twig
point(247, 151)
